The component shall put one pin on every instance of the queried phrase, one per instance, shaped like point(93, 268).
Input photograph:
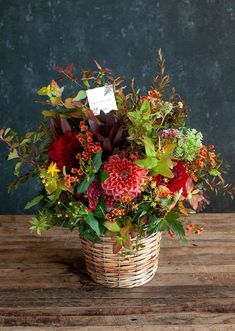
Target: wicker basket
point(115, 270)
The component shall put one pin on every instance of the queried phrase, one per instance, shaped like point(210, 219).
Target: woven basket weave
point(115, 270)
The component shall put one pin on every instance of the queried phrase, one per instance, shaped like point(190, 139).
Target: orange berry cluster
point(205, 156)
point(69, 180)
point(192, 171)
point(126, 198)
point(191, 226)
point(154, 96)
point(86, 140)
point(115, 213)
point(90, 147)
point(200, 231)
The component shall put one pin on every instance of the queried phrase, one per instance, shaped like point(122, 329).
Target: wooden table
point(44, 284)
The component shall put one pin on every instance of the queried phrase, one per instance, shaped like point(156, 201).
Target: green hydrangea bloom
point(188, 144)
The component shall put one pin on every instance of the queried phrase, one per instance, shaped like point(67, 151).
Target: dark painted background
point(197, 37)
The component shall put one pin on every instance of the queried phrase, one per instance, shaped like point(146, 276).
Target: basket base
point(121, 283)
point(118, 271)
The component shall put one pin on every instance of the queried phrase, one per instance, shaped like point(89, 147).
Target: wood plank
point(44, 284)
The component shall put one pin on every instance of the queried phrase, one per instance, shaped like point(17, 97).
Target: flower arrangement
point(123, 174)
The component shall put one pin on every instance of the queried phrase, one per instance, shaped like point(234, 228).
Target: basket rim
point(109, 238)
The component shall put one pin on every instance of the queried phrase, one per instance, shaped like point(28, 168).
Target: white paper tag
point(101, 98)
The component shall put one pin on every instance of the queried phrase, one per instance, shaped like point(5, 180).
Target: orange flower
point(190, 227)
point(200, 163)
point(163, 191)
point(126, 198)
point(212, 154)
point(118, 212)
point(171, 234)
point(69, 180)
point(203, 151)
point(81, 140)
point(198, 232)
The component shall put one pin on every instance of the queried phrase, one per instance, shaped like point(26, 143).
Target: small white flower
point(180, 104)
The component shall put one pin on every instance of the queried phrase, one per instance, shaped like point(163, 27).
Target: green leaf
point(162, 169)
point(149, 147)
point(81, 95)
point(100, 209)
point(55, 196)
point(5, 131)
point(86, 83)
point(147, 163)
point(145, 106)
point(43, 91)
point(97, 161)
point(175, 224)
point(51, 186)
point(215, 172)
point(13, 154)
point(112, 227)
point(39, 223)
point(48, 113)
point(34, 202)
point(25, 141)
point(169, 149)
point(83, 186)
point(93, 223)
point(17, 168)
point(103, 175)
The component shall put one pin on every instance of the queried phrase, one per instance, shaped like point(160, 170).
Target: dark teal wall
point(197, 37)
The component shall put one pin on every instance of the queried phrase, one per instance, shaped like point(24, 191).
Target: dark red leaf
point(110, 119)
point(100, 137)
point(106, 70)
point(118, 136)
point(69, 69)
point(98, 65)
point(73, 78)
point(90, 115)
point(107, 145)
point(65, 125)
point(94, 127)
point(112, 133)
point(55, 126)
point(76, 114)
point(59, 69)
point(116, 248)
point(118, 81)
point(77, 103)
point(60, 78)
point(102, 116)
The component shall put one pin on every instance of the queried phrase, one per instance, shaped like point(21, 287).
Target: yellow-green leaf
point(48, 113)
point(13, 154)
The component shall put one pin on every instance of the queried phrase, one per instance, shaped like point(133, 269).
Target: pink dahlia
point(125, 177)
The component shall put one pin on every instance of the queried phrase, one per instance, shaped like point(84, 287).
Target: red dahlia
point(179, 180)
point(64, 150)
point(94, 193)
point(125, 177)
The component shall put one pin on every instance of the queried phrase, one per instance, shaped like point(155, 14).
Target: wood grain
point(44, 284)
